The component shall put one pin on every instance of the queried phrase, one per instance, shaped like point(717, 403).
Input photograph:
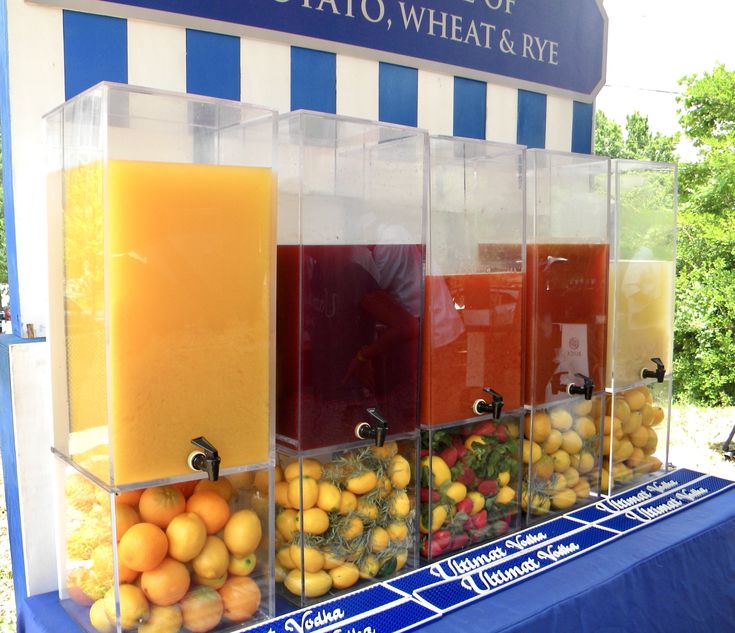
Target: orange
point(125, 516)
point(202, 609)
point(186, 535)
point(186, 487)
point(134, 608)
point(143, 547)
point(241, 598)
point(211, 508)
point(243, 532)
point(163, 620)
point(222, 487)
point(129, 497)
point(166, 584)
point(213, 560)
point(161, 504)
point(125, 574)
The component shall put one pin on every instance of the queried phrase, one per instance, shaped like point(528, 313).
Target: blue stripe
point(582, 128)
point(531, 119)
point(213, 64)
point(398, 93)
point(10, 467)
point(313, 80)
point(95, 49)
point(12, 254)
point(470, 107)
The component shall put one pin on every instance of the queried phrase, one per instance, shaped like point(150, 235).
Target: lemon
point(399, 471)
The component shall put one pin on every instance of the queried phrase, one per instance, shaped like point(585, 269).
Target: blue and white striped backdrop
point(49, 54)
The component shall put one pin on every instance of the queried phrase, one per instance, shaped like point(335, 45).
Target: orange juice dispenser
point(472, 380)
point(352, 198)
point(567, 259)
point(162, 265)
point(641, 318)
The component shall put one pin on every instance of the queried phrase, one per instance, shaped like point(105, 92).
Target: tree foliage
point(635, 142)
point(705, 316)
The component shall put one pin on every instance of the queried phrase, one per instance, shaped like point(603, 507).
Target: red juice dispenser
point(352, 198)
point(641, 317)
point(472, 380)
point(567, 260)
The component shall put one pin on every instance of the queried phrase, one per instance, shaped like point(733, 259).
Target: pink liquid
point(348, 322)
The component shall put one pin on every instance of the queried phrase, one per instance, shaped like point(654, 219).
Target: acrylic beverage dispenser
point(472, 380)
point(641, 315)
point(352, 198)
point(567, 261)
point(162, 262)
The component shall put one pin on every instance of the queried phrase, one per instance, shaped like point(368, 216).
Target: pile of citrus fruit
point(630, 438)
point(344, 519)
point(561, 451)
point(186, 553)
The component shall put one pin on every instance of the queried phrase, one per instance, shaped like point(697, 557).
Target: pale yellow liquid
point(188, 283)
point(642, 320)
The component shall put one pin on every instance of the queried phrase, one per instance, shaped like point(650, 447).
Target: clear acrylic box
point(194, 555)
point(567, 260)
point(641, 319)
point(162, 220)
point(345, 517)
point(352, 197)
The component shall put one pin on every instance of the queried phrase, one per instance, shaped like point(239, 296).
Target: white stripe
point(36, 85)
point(436, 102)
point(357, 87)
point(156, 56)
point(559, 112)
point(502, 114)
point(265, 74)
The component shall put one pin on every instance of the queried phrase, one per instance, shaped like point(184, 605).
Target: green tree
point(705, 316)
point(635, 142)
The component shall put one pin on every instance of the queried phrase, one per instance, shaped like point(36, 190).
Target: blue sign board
point(550, 42)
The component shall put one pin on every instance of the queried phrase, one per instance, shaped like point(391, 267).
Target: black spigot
point(586, 390)
point(480, 407)
point(375, 431)
point(657, 373)
point(205, 459)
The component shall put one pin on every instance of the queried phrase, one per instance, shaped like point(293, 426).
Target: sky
point(651, 45)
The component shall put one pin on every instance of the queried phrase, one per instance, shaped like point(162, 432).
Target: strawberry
point(457, 440)
point(461, 451)
point(501, 433)
point(436, 550)
point(467, 475)
point(464, 506)
point(488, 487)
point(424, 452)
point(459, 541)
point(424, 494)
point(449, 455)
point(479, 520)
point(500, 527)
point(484, 428)
point(442, 538)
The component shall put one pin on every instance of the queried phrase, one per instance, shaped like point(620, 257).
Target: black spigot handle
point(376, 431)
point(207, 459)
point(659, 373)
point(497, 404)
point(585, 390)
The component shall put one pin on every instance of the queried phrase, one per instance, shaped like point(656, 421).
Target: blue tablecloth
point(675, 576)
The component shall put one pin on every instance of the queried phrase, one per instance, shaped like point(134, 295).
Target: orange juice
point(642, 318)
point(184, 304)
